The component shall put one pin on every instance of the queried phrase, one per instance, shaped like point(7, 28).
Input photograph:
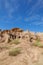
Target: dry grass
point(16, 41)
point(15, 51)
point(38, 43)
point(4, 47)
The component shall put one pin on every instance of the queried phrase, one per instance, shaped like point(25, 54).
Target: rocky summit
point(19, 47)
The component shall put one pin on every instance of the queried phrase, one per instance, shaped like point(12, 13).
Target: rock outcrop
point(21, 34)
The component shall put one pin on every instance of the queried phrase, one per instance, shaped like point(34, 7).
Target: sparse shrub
point(16, 41)
point(15, 51)
point(4, 47)
point(9, 40)
point(38, 43)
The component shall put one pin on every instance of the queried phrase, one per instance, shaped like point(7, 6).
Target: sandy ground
point(30, 55)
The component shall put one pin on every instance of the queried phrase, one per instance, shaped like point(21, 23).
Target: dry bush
point(9, 40)
point(15, 51)
point(38, 43)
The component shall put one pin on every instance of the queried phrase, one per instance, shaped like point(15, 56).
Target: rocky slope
point(30, 43)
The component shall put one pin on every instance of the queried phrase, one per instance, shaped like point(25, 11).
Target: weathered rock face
point(18, 33)
point(16, 30)
point(5, 31)
point(32, 35)
point(13, 34)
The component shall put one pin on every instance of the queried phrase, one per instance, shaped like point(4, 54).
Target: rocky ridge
point(31, 45)
point(18, 33)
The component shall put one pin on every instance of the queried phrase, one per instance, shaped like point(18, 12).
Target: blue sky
point(25, 14)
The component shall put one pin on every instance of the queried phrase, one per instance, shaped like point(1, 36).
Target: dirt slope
point(31, 54)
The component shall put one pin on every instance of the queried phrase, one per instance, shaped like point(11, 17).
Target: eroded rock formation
point(18, 33)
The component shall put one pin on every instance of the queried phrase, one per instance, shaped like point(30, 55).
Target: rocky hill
point(19, 47)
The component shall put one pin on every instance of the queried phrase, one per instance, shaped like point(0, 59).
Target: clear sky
point(25, 14)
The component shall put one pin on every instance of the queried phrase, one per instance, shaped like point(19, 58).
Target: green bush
point(15, 51)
